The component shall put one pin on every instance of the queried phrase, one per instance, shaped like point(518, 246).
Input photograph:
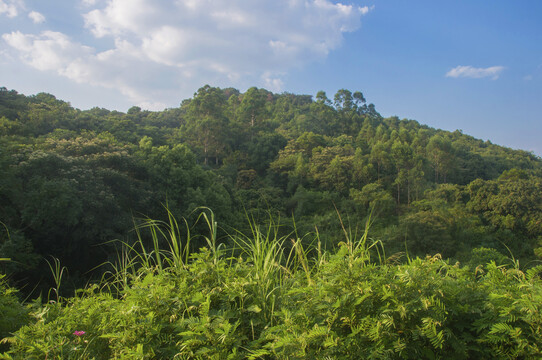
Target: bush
point(12, 313)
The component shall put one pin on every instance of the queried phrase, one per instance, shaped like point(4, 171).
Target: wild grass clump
point(266, 297)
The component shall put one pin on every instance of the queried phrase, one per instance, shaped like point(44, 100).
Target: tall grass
point(58, 273)
point(264, 249)
point(161, 245)
point(158, 245)
point(209, 217)
point(361, 248)
point(176, 252)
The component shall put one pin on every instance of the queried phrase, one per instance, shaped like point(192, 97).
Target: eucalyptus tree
point(207, 126)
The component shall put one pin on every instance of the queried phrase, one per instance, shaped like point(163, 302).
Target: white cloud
point(48, 51)
point(36, 17)
point(88, 2)
point(366, 9)
point(118, 68)
point(228, 38)
point(165, 48)
point(11, 7)
point(476, 73)
point(272, 82)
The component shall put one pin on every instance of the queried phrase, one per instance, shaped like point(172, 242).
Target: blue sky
point(469, 65)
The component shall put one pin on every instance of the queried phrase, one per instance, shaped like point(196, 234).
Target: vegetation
point(82, 198)
point(260, 300)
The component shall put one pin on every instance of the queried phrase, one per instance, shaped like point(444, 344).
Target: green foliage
point(13, 314)
point(259, 299)
point(73, 180)
point(20, 252)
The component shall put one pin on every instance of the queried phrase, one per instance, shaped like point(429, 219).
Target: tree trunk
point(408, 192)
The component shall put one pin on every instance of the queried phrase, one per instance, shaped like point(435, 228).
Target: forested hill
point(74, 180)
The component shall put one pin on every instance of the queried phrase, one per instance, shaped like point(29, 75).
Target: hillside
point(74, 180)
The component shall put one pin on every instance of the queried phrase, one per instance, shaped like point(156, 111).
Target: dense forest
point(78, 187)
point(74, 180)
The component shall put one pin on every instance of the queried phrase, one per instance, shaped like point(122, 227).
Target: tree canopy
point(74, 180)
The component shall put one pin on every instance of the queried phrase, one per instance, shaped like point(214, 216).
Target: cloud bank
point(492, 72)
point(162, 48)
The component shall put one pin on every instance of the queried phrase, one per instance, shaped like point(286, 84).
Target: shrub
point(12, 313)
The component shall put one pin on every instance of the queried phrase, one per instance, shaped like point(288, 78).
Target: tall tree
point(207, 126)
point(440, 152)
point(252, 109)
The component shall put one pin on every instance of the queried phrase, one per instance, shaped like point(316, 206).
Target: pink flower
point(79, 333)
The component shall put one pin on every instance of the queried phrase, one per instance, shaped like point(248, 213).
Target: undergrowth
point(271, 296)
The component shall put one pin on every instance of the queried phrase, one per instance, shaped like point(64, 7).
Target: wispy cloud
point(36, 17)
point(187, 43)
point(88, 2)
point(492, 72)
